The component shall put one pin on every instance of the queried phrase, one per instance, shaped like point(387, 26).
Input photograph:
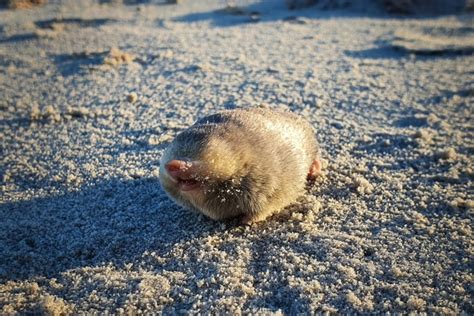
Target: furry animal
point(247, 162)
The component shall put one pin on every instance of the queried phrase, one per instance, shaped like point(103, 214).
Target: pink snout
point(184, 173)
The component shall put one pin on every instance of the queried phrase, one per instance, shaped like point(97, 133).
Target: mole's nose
point(178, 168)
point(174, 165)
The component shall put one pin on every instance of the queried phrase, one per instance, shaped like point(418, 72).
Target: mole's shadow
point(111, 221)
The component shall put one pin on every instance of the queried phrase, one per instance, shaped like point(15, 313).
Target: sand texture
point(91, 93)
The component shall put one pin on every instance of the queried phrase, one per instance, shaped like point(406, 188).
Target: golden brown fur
point(251, 162)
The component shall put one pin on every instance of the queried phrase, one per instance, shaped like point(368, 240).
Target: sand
point(91, 94)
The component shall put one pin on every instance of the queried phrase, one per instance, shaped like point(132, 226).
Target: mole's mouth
point(188, 184)
point(183, 173)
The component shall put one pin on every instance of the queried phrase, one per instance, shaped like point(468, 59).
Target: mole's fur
point(251, 163)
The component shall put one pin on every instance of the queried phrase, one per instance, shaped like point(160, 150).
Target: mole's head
point(202, 173)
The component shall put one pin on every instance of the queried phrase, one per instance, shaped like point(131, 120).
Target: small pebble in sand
point(449, 153)
point(132, 97)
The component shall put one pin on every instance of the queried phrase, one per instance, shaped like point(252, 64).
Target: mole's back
point(267, 131)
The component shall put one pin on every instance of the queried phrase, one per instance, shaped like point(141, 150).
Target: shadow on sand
point(270, 10)
point(72, 64)
point(54, 24)
point(393, 52)
point(125, 223)
point(110, 221)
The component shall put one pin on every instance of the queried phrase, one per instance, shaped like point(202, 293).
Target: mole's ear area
point(314, 169)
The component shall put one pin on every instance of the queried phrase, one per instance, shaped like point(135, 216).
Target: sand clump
point(447, 154)
point(35, 300)
point(423, 135)
point(416, 303)
point(54, 306)
point(132, 97)
point(49, 113)
point(362, 185)
point(53, 115)
point(460, 203)
point(116, 57)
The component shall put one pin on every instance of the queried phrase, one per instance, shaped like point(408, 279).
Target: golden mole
point(247, 162)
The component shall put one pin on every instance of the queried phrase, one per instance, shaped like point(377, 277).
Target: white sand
point(86, 227)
